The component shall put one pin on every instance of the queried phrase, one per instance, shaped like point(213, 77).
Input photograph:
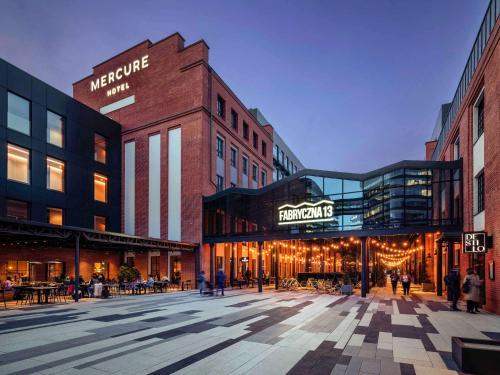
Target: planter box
point(427, 287)
point(476, 356)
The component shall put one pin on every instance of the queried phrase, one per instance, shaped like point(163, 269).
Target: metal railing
point(482, 37)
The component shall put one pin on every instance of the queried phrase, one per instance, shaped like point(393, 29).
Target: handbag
point(466, 286)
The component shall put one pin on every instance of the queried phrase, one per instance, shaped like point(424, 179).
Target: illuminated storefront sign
point(474, 242)
point(305, 212)
point(118, 74)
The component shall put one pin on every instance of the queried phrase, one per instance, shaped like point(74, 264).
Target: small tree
point(128, 273)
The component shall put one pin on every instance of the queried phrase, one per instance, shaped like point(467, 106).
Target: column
point(77, 267)
point(276, 267)
point(232, 263)
point(212, 273)
point(450, 265)
point(439, 270)
point(197, 262)
point(424, 259)
point(364, 268)
point(259, 265)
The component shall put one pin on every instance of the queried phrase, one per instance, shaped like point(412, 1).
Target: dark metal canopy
point(20, 232)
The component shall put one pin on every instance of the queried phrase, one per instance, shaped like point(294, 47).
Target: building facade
point(470, 130)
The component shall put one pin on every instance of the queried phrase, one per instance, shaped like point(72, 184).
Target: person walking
point(394, 281)
point(248, 275)
point(452, 281)
point(406, 281)
point(201, 282)
point(221, 282)
point(471, 288)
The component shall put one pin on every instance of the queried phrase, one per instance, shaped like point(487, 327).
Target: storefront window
point(55, 129)
point(55, 216)
point(100, 188)
point(54, 271)
point(18, 164)
point(100, 223)
point(55, 174)
point(100, 145)
point(17, 210)
point(17, 270)
point(18, 114)
point(101, 268)
point(155, 266)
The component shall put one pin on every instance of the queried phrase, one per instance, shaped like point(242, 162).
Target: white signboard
point(305, 212)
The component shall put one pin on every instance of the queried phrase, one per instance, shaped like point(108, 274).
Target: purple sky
point(350, 85)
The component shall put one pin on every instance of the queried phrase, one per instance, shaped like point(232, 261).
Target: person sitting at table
point(151, 282)
point(7, 284)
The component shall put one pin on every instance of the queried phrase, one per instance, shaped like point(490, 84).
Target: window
point(219, 148)
point(234, 157)
point(480, 117)
point(245, 130)
point(255, 172)
point(263, 178)
point(456, 149)
point(55, 174)
point(55, 216)
point(282, 160)
point(17, 209)
point(295, 169)
point(100, 223)
point(255, 140)
point(100, 145)
point(287, 166)
point(100, 188)
point(55, 129)
point(291, 166)
point(276, 152)
point(245, 165)
point(234, 119)
point(18, 164)
point(480, 192)
point(155, 266)
point(221, 106)
point(264, 149)
point(220, 183)
point(18, 114)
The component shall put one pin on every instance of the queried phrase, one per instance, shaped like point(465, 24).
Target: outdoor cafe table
point(46, 291)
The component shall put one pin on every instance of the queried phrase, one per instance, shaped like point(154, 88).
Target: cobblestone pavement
point(243, 332)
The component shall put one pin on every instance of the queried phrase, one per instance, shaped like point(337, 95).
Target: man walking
point(452, 281)
point(221, 282)
point(201, 282)
point(394, 281)
point(405, 281)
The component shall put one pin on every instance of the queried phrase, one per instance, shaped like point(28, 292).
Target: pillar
point(259, 265)
point(276, 268)
point(364, 268)
point(450, 253)
point(439, 270)
point(423, 275)
point(233, 264)
point(212, 255)
point(197, 263)
point(77, 267)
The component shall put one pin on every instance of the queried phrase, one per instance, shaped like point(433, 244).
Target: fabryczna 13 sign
point(305, 212)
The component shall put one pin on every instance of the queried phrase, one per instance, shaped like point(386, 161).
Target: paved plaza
point(243, 332)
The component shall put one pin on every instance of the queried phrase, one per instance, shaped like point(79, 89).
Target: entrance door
point(175, 268)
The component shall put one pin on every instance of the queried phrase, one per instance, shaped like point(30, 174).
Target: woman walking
point(472, 290)
point(405, 281)
point(394, 282)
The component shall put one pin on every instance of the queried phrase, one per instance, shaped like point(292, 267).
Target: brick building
point(468, 128)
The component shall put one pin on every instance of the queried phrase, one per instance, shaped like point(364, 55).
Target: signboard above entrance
point(305, 212)
point(474, 242)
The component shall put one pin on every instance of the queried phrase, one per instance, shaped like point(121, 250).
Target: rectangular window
point(100, 145)
point(264, 149)
point(100, 223)
point(480, 117)
point(17, 209)
point(234, 157)
point(221, 106)
point(255, 172)
point(18, 164)
point(100, 188)
point(245, 131)
point(276, 152)
point(263, 178)
point(55, 129)
point(287, 166)
point(55, 216)
point(55, 174)
point(282, 160)
point(219, 147)
point(255, 140)
point(456, 149)
point(18, 114)
point(480, 192)
point(220, 183)
point(244, 165)
point(234, 119)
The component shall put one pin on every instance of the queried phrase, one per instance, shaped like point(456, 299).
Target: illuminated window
point(100, 148)
point(100, 223)
point(100, 188)
point(55, 129)
point(18, 164)
point(18, 114)
point(55, 174)
point(17, 209)
point(55, 216)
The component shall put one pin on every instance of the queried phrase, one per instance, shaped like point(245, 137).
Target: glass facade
point(18, 114)
point(412, 194)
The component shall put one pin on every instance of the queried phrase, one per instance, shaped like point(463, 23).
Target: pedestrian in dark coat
point(221, 281)
point(452, 281)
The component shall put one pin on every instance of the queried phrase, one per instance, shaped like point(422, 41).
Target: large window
point(100, 223)
point(18, 164)
point(244, 165)
point(245, 131)
point(100, 188)
point(219, 148)
point(255, 172)
point(17, 209)
point(55, 216)
point(55, 129)
point(55, 174)
point(234, 157)
point(480, 192)
point(18, 114)
point(100, 145)
point(234, 119)
point(220, 183)
point(221, 106)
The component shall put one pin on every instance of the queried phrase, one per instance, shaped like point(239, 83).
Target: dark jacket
point(220, 278)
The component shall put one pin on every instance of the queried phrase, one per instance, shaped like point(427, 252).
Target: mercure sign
point(305, 212)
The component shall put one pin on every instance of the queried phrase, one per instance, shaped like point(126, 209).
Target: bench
point(476, 356)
